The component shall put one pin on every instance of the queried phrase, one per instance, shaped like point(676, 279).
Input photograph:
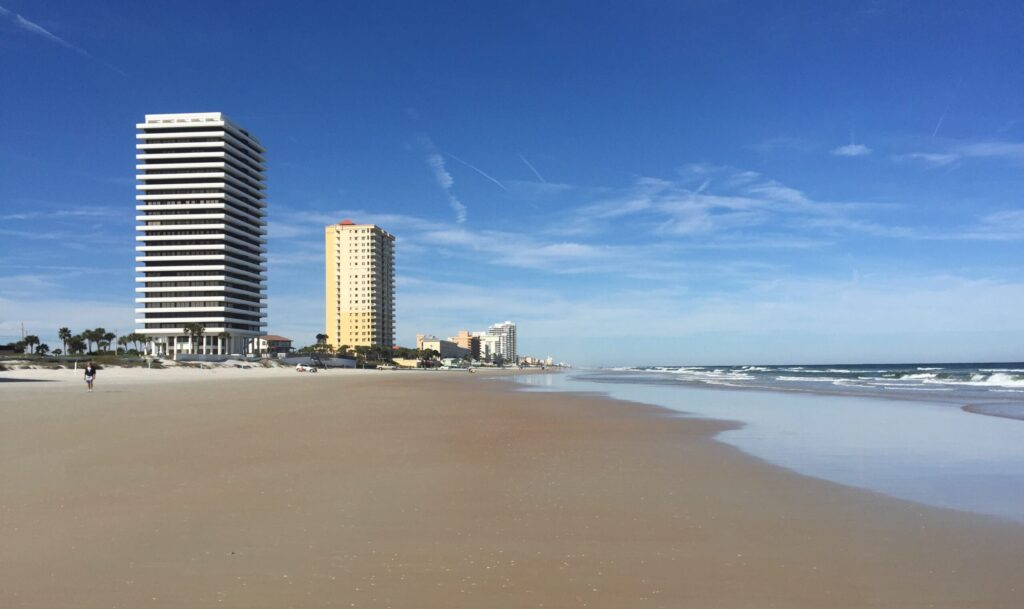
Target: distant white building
point(490, 347)
point(507, 345)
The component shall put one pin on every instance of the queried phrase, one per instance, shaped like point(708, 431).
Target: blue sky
point(632, 183)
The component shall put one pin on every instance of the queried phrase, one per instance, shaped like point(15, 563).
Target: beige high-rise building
point(360, 285)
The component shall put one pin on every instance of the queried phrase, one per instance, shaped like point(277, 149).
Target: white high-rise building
point(507, 344)
point(201, 234)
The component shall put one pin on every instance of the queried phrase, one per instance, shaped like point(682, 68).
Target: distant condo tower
point(360, 285)
point(202, 235)
point(507, 340)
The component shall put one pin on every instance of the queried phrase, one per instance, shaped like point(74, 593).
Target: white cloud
point(1007, 151)
point(1006, 225)
point(776, 317)
point(445, 181)
point(1004, 150)
point(932, 159)
point(852, 150)
point(436, 162)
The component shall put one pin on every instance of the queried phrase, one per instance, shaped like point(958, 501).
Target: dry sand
point(422, 490)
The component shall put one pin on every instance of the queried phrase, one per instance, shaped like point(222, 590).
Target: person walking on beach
point(90, 375)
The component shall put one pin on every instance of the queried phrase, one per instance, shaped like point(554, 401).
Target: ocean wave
point(998, 379)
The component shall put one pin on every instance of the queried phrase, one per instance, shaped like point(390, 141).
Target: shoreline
point(974, 407)
point(431, 490)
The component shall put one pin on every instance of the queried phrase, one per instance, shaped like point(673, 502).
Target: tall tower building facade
point(201, 234)
point(360, 280)
point(507, 344)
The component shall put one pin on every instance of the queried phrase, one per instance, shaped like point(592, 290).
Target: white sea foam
point(998, 379)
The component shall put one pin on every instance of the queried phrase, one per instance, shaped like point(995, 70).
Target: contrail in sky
point(35, 28)
point(533, 169)
point(942, 118)
point(478, 170)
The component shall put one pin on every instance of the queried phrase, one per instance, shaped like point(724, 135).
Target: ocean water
point(898, 430)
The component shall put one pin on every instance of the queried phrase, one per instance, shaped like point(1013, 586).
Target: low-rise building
point(272, 344)
point(445, 348)
point(467, 340)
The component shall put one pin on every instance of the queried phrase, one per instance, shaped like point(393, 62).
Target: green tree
point(96, 335)
point(89, 336)
point(195, 331)
point(77, 344)
point(108, 339)
point(64, 334)
point(42, 349)
point(31, 341)
point(122, 342)
point(58, 352)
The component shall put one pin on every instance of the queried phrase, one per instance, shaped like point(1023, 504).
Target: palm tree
point(195, 331)
point(122, 342)
point(42, 349)
point(108, 338)
point(64, 334)
point(88, 336)
point(361, 352)
point(31, 340)
point(58, 352)
point(77, 343)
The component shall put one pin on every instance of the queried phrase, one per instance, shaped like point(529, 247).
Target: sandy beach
point(269, 488)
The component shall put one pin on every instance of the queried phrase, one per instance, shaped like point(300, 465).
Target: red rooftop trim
point(347, 222)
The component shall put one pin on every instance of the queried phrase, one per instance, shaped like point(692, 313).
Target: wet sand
point(424, 490)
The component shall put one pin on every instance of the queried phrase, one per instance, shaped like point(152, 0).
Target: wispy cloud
point(1001, 150)
point(93, 212)
point(445, 181)
point(930, 159)
point(435, 160)
point(852, 150)
point(1005, 225)
point(38, 30)
point(711, 204)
